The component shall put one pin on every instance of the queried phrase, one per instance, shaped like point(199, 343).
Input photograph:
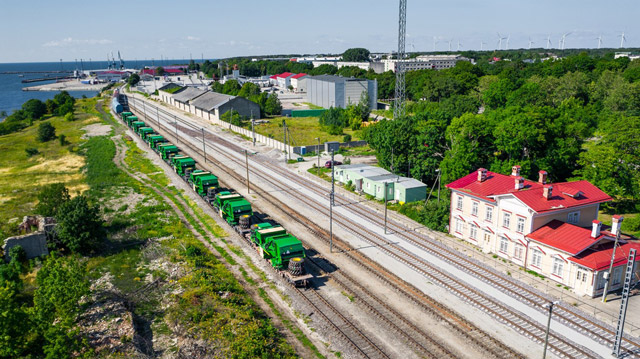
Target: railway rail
point(566, 315)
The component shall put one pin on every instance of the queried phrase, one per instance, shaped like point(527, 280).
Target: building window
point(582, 276)
point(474, 208)
point(574, 217)
point(487, 236)
point(459, 205)
point(489, 214)
point(558, 266)
point(520, 225)
point(368, 185)
point(474, 231)
point(504, 245)
point(616, 275)
point(458, 225)
point(600, 282)
point(518, 251)
point(506, 219)
point(536, 260)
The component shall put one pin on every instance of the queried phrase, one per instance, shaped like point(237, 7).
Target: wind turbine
point(622, 38)
point(482, 43)
point(563, 38)
point(548, 42)
point(459, 46)
point(435, 41)
point(530, 43)
point(500, 38)
point(508, 37)
point(599, 38)
point(450, 44)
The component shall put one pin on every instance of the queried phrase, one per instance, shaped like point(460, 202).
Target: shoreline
point(66, 86)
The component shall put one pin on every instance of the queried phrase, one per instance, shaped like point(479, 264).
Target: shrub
point(346, 138)
point(79, 225)
point(50, 199)
point(31, 151)
point(46, 132)
point(63, 140)
point(69, 116)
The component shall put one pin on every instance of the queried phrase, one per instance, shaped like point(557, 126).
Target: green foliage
point(272, 105)
point(231, 87)
point(63, 140)
point(249, 90)
point(80, 227)
point(159, 71)
point(346, 138)
point(46, 132)
point(233, 117)
point(133, 79)
point(31, 151)
point(69, 116)
point(63, 103)
point(51, 197)
point(356, 55)
point(34, 109)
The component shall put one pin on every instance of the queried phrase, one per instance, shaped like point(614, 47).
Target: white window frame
point(520, 225)
point(573, 217)
point(489, 214)
point(536, 258)
point(487, 235)
point(558, 267)
point(459, 225)
point(459, 203)
point(518, 251)
point(506, 219)
point(473, 232)
point(504, 244)
point(474, 208)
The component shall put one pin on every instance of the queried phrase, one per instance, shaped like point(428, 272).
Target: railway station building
point(552, 229)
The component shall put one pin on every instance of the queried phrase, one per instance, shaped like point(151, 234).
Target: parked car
point(335, 163)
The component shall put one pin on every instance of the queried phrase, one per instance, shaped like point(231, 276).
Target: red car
point(335, 163)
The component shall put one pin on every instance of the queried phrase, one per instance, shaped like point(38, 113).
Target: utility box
point(331, 146)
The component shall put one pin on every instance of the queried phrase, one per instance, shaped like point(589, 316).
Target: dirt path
point(119, 160)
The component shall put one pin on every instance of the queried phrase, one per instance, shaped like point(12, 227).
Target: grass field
point(21, 175)
point(304, 131)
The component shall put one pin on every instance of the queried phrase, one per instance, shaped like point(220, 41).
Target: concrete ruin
point(37, 231)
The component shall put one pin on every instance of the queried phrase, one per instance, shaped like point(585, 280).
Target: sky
point(44, 30)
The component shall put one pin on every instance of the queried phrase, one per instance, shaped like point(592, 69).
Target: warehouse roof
point(334, 78)
point(407, 182)
point(187, 94)
point(170, 86)
point(211, 100)
point(379, 174)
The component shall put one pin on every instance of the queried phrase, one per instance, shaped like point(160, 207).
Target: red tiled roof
point(564, 195)
point(299, 76)
point(598, 258)
point(273, 77)
point(284, 75)
point(564, 236)
point(589, 194)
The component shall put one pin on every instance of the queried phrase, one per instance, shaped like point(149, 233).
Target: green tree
point(50, 198)
point(79, 225)
point(160, 71)
point(133, 79)
point(356, 55)
point(60, 283)
point(272, 105)
point(231, 87)
point(233, 117)
point(334, 120)
point(249, 90)
point(46, 132)
point(34, 109)
point(15, 324)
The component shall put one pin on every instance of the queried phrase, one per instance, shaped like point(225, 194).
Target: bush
point(69, 116)
point(50, 199)
point(63, 140)
point(31, 151)
point(631, 224)
point(46, 132)
point(346, 138)
point(79, 225)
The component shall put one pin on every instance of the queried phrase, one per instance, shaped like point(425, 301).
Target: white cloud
point(71, 41)
point(193, 38)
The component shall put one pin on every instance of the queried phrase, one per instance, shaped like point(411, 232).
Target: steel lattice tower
point(398, 105)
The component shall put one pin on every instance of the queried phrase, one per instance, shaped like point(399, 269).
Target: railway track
point(525, 326)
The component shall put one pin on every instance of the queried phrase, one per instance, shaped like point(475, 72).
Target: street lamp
point(546, 337)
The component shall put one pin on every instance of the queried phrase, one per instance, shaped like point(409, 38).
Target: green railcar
point(182, 163)
point(237, 211)
point(144, 132)
point(125, 114)
point(277, 246)
point(197, 173)
point(223, 197)
point(155, 140)
point(136, 125)
point(167, 150)
point(202, 184)
point(130, 120)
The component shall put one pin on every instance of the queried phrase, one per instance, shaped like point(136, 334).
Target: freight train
point(273, 243)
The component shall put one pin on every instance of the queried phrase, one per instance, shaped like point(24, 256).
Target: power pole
point(625, 301)
point(546, 337)
point(333, 188)
point(175, 122)
point(385, 207)
point(246, 161)
point(331, 208)
point(439, 184)
point(398, 105)
point(618, 223)
point(204, 149)
point(284, 139)
point(253, 131)
point(157, 115)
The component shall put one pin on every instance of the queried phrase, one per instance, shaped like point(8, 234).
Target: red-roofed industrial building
point(548, 228)
point(299, 83)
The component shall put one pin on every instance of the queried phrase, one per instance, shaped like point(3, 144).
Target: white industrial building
point(335, 91)
point(422, 62)
point(362, 65)
point(299, 83)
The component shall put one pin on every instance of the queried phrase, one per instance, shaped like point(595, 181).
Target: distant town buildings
point(626, 54)
point(552, 229)
point(335, 91)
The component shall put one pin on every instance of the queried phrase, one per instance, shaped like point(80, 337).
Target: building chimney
point(547, 191)
point(542, 177)
point(482, 174)
point(515, 171)
point(616, 223)
point(595, 230)
point(519, 183)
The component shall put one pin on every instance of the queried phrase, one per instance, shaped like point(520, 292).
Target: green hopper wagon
point(136, 125)
point(167, 150)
